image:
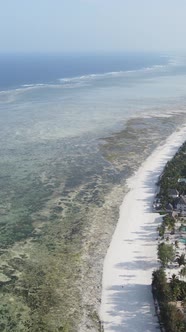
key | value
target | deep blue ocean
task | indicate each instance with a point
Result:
(70, 95)
(23, 69)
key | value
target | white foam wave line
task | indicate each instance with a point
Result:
(113, 74)
(127, 303)
(25, 88)
(85, 79)
(28, 87)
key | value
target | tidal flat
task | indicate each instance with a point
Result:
(59, 205)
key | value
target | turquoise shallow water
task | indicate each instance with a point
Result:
(183, 240)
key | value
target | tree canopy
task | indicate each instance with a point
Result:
(166, 253)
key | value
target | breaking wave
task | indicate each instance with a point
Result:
(86, 80)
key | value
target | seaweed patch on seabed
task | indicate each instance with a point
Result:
(59, 204)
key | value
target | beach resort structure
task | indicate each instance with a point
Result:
(181, 205)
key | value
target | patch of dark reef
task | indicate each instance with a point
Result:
(59, 205)
(128, 148)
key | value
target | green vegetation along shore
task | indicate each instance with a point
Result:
(169, 281)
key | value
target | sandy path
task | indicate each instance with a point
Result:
(127, 303)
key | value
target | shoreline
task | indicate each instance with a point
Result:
(127, 302)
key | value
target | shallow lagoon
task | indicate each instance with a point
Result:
(65, 155)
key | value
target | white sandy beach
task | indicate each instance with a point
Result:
(127, 302)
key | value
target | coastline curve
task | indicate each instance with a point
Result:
(127, 302)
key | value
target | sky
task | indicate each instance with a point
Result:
(92, 25)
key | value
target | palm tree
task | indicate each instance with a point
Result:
(181, 260)
(175, 287)
(183, 272)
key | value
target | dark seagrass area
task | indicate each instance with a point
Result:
(59, 205)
